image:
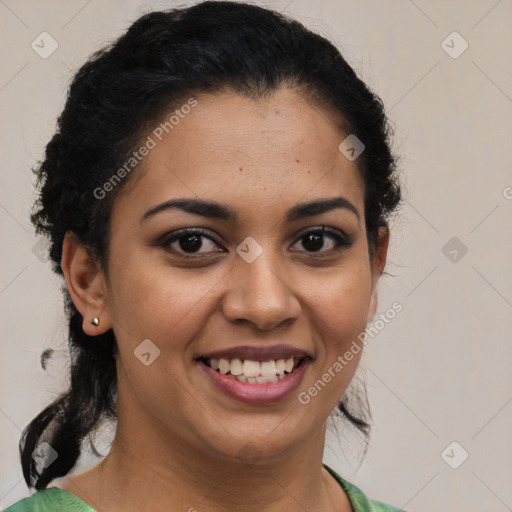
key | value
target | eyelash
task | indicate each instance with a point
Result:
(342, 241)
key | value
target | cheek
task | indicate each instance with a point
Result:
(161, 304)
(340, 317)
(340, 305)
(169, 309)
(344, 315)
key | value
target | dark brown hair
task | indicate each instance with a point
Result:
(114, 97)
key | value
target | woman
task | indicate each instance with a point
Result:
(216, 197)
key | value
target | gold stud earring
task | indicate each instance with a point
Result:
(95, 321)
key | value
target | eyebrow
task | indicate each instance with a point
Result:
(214, 210)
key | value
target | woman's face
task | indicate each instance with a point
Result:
(252, 279)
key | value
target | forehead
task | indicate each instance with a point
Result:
(228, 147)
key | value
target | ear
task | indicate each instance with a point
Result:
(378, 263)
(86, 284)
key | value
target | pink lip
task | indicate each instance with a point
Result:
(257, 353)
(257, 393)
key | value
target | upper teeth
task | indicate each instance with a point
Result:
(250, 368)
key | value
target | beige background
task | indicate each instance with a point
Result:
(440, 371)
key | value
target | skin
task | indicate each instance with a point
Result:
(180, 443)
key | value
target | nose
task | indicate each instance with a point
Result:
(261, 294)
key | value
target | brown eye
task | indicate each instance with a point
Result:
(314, 240)
(187, 241)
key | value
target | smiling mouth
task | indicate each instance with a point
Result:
(255, 372)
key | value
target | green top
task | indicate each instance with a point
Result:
(54, 499)
(359, 501)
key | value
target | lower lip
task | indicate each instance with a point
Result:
(257, 393)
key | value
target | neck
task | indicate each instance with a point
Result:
(150, 467)
(181, 478)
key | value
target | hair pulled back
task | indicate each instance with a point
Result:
(122, 91)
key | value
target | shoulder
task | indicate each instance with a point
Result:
(360, 502)
(52, 499)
